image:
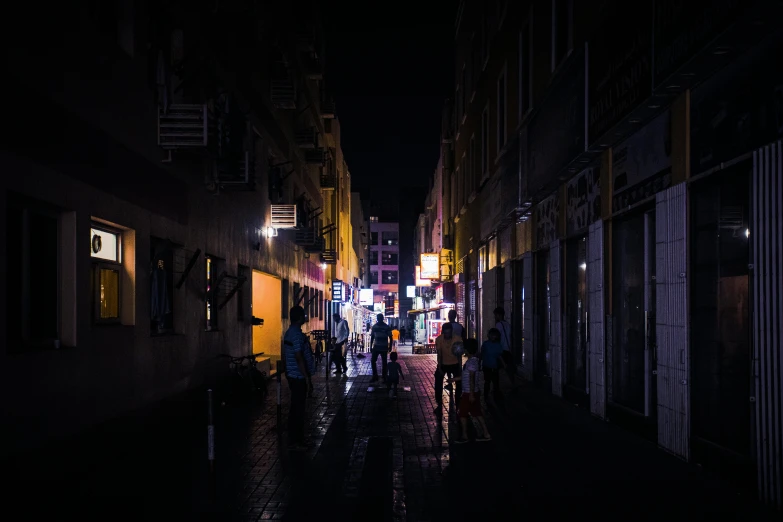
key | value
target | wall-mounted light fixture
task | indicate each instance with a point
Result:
(271, 232)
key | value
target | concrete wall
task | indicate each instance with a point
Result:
(86, 145)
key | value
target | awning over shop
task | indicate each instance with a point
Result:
(442, 306)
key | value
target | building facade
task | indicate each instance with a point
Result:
(613, 181)
(384, 251)
(207, 188)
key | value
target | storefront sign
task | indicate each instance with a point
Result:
(337, 290)
(683, 28)
(583, 200)
(642, 164)
(430, 266)
(556, 133)
(419, 280)
(738, 110)
(620, 65)
(547, 215)
(366, 297)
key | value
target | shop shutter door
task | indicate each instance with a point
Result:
(596, 349)
(672, 317)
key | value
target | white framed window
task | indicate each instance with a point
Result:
(106, 255)
(525, 69)
(562, 31)
(502, 99)
(485, 143)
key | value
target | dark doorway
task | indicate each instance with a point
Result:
(720, 307)
(543, 375)
(576, 321)
(633, 390)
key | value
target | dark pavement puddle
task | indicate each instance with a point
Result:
(317, 483)
(376, 495)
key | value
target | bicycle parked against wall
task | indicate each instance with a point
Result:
(247, 381)
(323, 344)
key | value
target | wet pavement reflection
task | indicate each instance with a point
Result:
(372, 457)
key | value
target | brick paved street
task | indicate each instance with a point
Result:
(373, 458)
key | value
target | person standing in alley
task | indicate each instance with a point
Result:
(298, 368)
(395, 338)
(505, 341)
(448, 363)
(381, 339)
(342, 332)
(457, 329)
(491, 362)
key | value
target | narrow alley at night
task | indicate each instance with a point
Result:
(459, 260)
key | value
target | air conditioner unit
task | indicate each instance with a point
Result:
(283, 216)
(182, 126)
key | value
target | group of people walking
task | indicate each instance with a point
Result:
(452, 346)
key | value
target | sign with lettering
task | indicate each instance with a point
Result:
(337, 290)
(419, 280)
(547, 215)
(620, 66)
(642, 164)
(366, 297)
(556, 133)
(583, 200)
(430, 266)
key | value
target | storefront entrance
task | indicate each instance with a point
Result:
(632, 362)
(576, 383)
(721, 428)
(267, 305)
(542, 360)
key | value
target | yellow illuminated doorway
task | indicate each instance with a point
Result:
(267, 303)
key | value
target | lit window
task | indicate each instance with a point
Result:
(211, 294)
(106, 253)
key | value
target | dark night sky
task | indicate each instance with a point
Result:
(390, 70)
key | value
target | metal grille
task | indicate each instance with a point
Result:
(461, 303)
(767, 316)
(672, 321)
(595, 284)
(555, 337)
(284, 216)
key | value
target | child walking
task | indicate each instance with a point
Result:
(395, 373)
(469, 403)
(492, 362)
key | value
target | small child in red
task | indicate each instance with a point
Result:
(469, 403)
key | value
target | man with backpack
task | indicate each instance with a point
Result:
(381, 341)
